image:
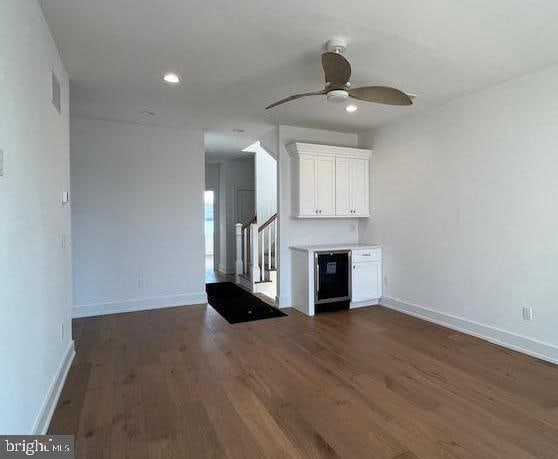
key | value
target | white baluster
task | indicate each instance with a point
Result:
(262, 248)
(254, 254)
(275, 227)
(245, 258)
(268, 229)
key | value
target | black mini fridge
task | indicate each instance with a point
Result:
(332, 283)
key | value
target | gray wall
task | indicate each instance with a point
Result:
(465, 201)
(35, 270)
(137, 216)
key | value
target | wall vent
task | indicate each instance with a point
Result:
(56, 93)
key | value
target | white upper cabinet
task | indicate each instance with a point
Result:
(330, 181)
(343, 187)
(359, 189)
(316, 186)
(308, 169)
(325, 186)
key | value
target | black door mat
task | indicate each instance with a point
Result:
(237, 305)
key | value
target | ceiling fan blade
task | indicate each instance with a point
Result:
(337, 69)
(381, 95)
(296, 96)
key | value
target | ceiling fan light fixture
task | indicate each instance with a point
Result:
(337, 95)
(351, 108)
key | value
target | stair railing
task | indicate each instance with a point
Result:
(256, 252)
(268, 245)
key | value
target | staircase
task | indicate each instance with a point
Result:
(256, 257)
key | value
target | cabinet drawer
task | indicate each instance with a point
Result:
(363, 255)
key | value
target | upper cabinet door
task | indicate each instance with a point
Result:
(343, 187)
(325, 186)
(307, 189)
(360, 199)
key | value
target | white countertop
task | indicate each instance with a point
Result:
(318, 248)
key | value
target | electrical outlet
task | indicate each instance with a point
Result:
(64, 242)
(527, 313)
(386, 281)
(352, 228)
(1, 163)
(141, 283)
(62, 331)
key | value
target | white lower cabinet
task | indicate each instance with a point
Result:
(366, 277)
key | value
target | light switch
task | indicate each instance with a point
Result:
(65, 197)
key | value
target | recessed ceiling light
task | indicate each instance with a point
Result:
(238, 130)
(351, 108)
(172, 78)
(148, 113)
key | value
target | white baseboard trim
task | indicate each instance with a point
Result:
(364, 304)
(142, 304)
(40, 426)
(529, 346)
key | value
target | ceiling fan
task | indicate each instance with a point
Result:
(337, 72)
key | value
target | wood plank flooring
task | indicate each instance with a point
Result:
(367, 383)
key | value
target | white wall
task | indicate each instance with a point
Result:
(235, 174)
(293, 231)
(212, 172)
(266, 184)
(35, 271)
(465, 202)
(270, 141)
(137, 216)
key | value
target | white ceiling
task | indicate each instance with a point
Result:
(235, 57)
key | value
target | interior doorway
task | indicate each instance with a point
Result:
(209, 229)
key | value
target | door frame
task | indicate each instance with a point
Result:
(216, 240)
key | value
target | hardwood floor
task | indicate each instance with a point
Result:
(211, 275)
(367, 383)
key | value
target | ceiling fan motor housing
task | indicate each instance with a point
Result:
(336, 45)
(337, 95)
